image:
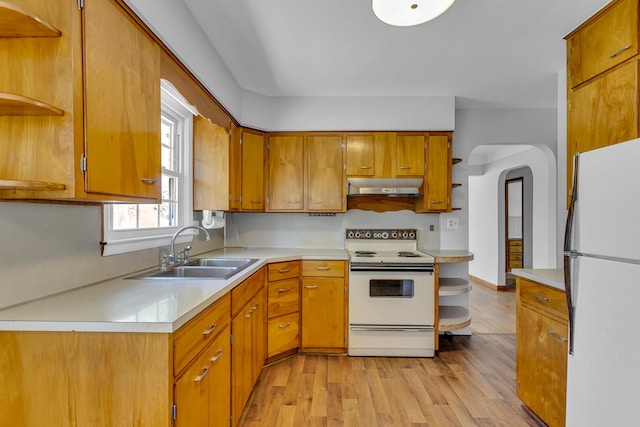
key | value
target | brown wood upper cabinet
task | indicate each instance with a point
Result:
(607, 39)
(93, 132)
(410, 160)
(306, 173)
(360, 156)
(437, 186)
(252, 182)
(602, 74)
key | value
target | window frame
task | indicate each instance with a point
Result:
(175, 106)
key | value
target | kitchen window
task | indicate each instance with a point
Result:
(132, 227)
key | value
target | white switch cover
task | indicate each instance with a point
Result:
(452, 223)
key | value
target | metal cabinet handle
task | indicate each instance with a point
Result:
(619, 51)
(256, 201)
(284, 325)
(284, 270)
(558, 337)
(436, 202)
(322, 268)
(217, 356)
(541, 297)
(316, 202)
(255, 307)
(404, 167)
(148, 180)
(366, 167)
(294, 201)
(284, 289)
(249, 314)
(311, 286)
(211, 329)
(202, 375)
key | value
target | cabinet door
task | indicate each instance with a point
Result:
(438, 185)
(602, 112)
(608, 40)
(210, 165)
(323, 319)
(258, 335)
(360, 155)
(286, 173)
(241, 361)
(410, 159)
(219, 358)
(252, 172)
(122, 104)
(191, 394)
(325, 174)
(235, 168)
(541, 365)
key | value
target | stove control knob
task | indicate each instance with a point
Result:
(405, 235)
(412, 235)
(394, 234)
(357, 234)
(367, 234)
(350, 235)
(385, 235)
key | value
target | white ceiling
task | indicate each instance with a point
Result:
(486, 53)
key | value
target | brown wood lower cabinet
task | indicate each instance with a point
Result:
(284, 309)
(541, 350)
(324, 291)
(248, 349)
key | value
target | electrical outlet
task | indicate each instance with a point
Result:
(452, 223)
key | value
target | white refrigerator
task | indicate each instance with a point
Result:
(602, 280)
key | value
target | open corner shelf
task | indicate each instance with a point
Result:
(453, 317)
(456, 184)
(455, 160)
(16, 105)
(453, 286)
(18, 22)
(30, 185)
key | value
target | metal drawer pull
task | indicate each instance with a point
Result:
(284, 270)
(256, 201)
(217, 356)
(404, 167)
(284, 289)
(311, 286)
(540, 297)
(202, 375)
(558, 337)
(366, 167)
(619, 51)
(436, 202)
(284, 325)
(316, 202)
(211, 329)
(255, 307)
(148, 180)
(322, 268)
(249, 314)
(294, 201)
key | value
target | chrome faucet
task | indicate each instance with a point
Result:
(172, 254)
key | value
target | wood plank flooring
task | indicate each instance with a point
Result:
(470, 383)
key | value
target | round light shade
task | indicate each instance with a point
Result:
(404, 13)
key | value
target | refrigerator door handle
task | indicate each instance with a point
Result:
(569, 254)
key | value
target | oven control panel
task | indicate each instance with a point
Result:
(381, 234)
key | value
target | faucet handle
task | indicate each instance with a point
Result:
(186, 254)
(164, 263)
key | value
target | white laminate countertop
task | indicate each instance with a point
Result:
(138, 305)
(553, 277)
(449, 255)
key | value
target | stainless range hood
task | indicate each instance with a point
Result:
(389, 187)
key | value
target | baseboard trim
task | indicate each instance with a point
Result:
(487, 284)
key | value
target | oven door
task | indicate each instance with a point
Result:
(402, 298)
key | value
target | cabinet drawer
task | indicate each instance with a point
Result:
(284, 270)
(283, 297)
(515, 264)
(515, 257)
(312, 268)
(284, 334)
(241, 295)
(190, 339)
(542, 298)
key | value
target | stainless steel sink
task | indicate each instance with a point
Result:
(203, 268)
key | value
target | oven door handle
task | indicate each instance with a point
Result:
(391, 329)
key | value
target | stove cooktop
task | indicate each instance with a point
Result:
(384, 246)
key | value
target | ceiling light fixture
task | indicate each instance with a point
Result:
(404, 13)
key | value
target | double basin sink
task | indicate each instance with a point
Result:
(202, 268)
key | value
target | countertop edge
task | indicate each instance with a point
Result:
(551, 277)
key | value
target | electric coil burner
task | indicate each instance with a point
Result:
(391, 294)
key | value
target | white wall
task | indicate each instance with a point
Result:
(486, 213)
(48, 249)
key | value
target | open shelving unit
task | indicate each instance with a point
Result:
(453, 317)
(18, 22)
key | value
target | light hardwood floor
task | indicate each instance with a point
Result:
(470, 383)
